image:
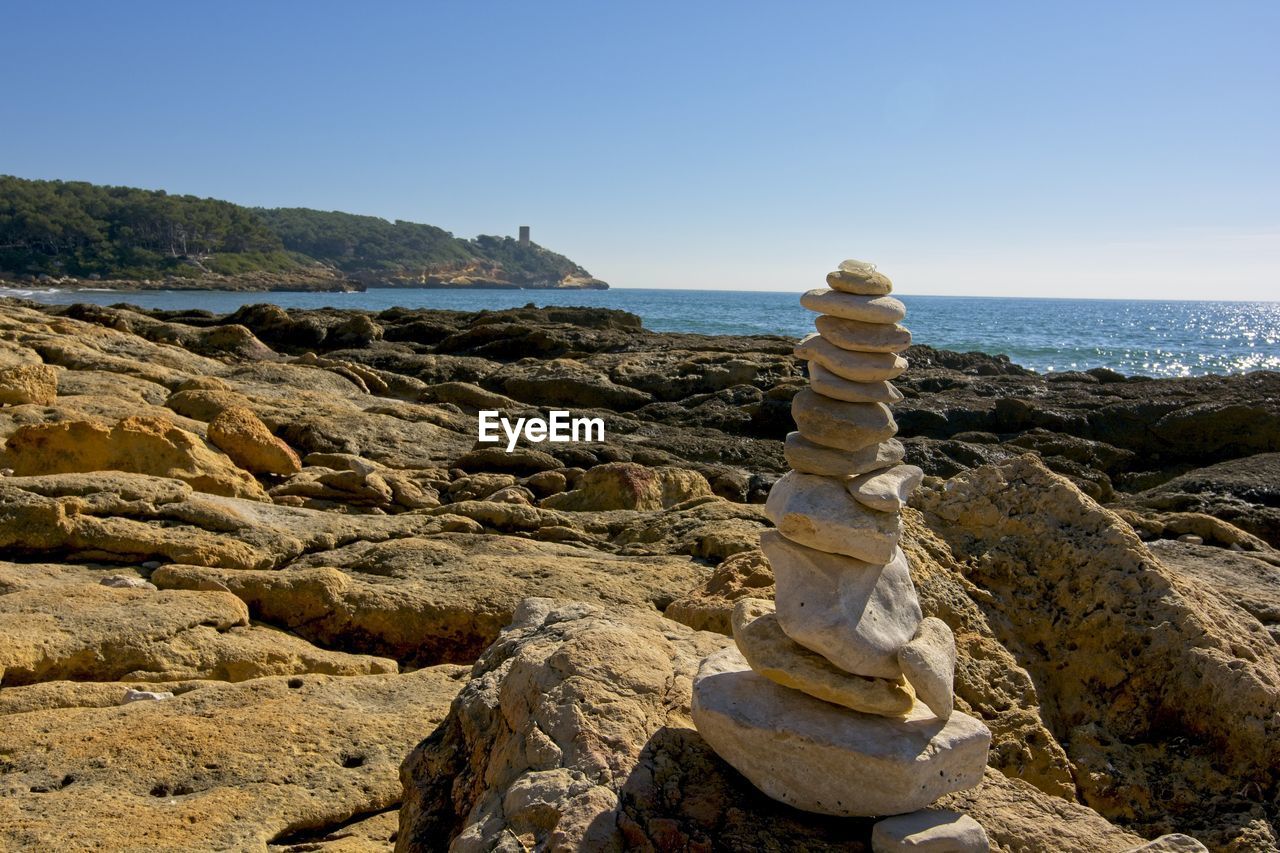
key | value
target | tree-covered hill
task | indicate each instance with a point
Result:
(83, 230)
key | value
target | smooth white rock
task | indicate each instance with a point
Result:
(828, 384)
(1173, 843)
(809, 457)
(929, 663)
(823, 758)
(859, 277)
(126, 582)
(863, 337)
(820, 513)
(887, 490)
(929, 831)
(854, 366)
(865, 309)
(131, 695)
(857, 615)
(847, 426)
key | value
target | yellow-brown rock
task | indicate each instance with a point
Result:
(625, 485)
(243, 436)
(140, 445)
(223, 767)
(1160, 684)
(28, 383)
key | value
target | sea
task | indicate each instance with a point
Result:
(1145, 337)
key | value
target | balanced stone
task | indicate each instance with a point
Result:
(867, 309)
(828, 384)
(863, 337)
(845, 426)
(782, 660)
(823, 758)
(847, 364)
(812, 458)
(888, 490)
(857, 615)
(818, 512)
(859, 277)
(929, 831)
(929, 663)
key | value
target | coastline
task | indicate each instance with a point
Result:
(285, 515)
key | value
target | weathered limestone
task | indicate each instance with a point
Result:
(819, 512)
(28, 383)
(242, 435)
(844, 426)
(848, 364)
(780, 659)
(824, 758)
(929, 831)
(856, 614)
(817, 705)
(866, 309)
(810, 457)
(887, 490)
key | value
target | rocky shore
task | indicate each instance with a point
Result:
(262, 589)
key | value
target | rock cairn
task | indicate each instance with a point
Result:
(838, 696)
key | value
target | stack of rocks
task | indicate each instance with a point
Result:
(838, 696)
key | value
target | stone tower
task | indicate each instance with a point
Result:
(524, 235)
(838, 696)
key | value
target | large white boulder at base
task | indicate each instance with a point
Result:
(823, 758)
(857, 615)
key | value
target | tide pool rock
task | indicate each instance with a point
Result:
(782, 660)
(929, 831)
(859, 277)
(823, 758)
(847, 364)
(242, 435)
(830, 385)
(887, 490)
(865, 309)
(929, 663)
(863, 337)
(28, 383)
(846, 426)
(857, 615)
(809, 457)
(818, 512)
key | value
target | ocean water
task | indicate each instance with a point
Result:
(1132, 336)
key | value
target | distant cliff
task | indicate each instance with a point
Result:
(82, 234)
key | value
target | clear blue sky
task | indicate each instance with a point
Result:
(1067, 149)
